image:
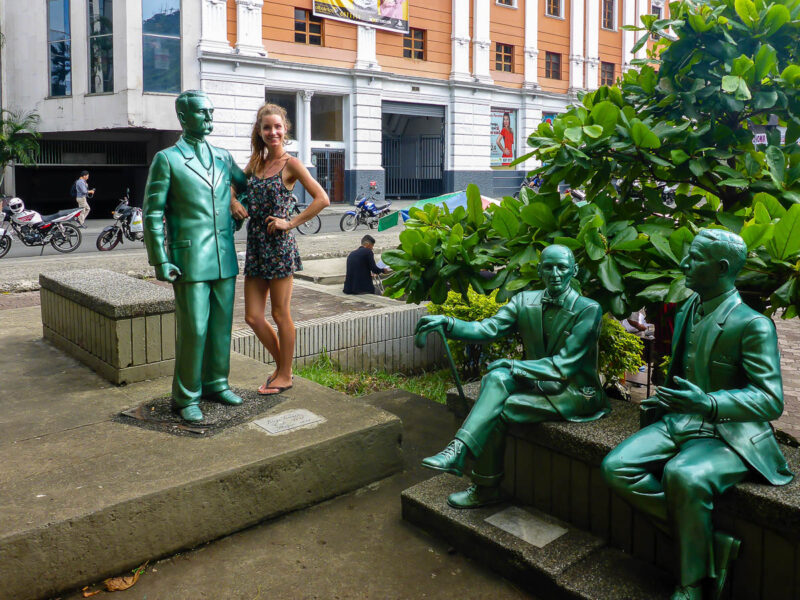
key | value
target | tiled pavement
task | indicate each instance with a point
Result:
(312, 301)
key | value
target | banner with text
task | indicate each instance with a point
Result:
(391, 15)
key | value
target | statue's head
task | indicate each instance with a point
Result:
(195, 112)
(714, 260)
(556, 268)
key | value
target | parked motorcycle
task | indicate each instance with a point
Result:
(367, 212)
(33, 229)
(128, 224)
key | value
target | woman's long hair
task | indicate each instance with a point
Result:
(257, 145)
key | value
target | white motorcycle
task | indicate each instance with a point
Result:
(33, 229)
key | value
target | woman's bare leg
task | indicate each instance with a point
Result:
(256, 291)
(280, 303)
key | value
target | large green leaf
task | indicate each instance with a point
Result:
(766, 61)
(655, 292)
(785, 240)
(595, 247)
(642, 136)
(569, 242)
(574, 134)
(474, 205)
(504, 222)
(678, 292)
(423, 251)
(538, 215)
(409, 237)
(756, 234)
(609, 275)
(605, 114)
(775, 208)
(777, 16)
(777, 164)
(747, 12)
(662, 245)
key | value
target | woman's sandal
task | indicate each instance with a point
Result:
(277, 390)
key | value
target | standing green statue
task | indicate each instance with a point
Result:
(189, 187)
(557, 380)
(709, 424)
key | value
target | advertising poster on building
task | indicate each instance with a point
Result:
(504, 136)
(391, 15)
(549, 118)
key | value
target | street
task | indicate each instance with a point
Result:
(330, 224)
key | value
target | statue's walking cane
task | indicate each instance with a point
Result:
(419, 341)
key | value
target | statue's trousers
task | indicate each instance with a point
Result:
(484, 429)
(203, 317)
(672, 470)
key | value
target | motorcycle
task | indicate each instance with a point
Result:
(128, 224)
(367, 211)
(33, 229)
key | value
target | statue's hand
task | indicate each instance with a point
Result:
(685, 398)
(503, 363)
(427, 324)
(167, 272)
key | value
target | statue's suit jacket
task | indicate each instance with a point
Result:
(737, 363)
(566, 353)
(199, 223)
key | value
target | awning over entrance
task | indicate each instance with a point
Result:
(413, 110)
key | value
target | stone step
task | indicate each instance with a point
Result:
(558, 561)
(83, 497)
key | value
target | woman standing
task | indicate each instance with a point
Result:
(505, 140)
(272, 254)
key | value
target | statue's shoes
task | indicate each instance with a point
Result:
(224, 397)
(476, 496)
(449, 460)
(191, 413)
(687, 592)
(726, 550)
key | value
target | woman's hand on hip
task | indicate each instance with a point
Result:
(275, 224)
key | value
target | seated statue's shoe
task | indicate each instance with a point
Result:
(191, 413)
(476, 496)
(224, 397)
(726, 550)
(687, 592)
(449, 460)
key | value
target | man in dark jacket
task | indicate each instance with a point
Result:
(360, 266)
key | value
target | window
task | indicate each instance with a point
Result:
(504, 58)
(101, 47)
(59, 49)
(552, 65)
(414, 44)
(657, 12)
(161, 46)
(609, 14)
(607, 73)
(506, 3)
(553, 8)
(327, 118)
(307, 28)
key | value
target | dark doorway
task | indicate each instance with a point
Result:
(413, 150)
(330, 172)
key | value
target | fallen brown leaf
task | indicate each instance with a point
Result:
(87, 592)
(118, 584)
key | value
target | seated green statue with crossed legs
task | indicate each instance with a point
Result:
(708, 426)
(556, 381)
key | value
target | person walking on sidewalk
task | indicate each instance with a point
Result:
(81, 192)
(272, 255)
(360, 267)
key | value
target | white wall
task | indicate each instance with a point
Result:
(26, 69)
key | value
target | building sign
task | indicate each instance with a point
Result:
(391, 15)
(549, 118)
(503, 134)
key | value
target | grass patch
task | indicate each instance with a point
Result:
(432, 385)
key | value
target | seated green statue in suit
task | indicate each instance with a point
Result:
(189, 186)
(709, 424)
(557, 380)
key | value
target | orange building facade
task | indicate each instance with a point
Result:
(444, 96)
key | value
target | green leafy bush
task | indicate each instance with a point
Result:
(620, 351)
(472, 359)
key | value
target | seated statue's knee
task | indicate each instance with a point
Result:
(498, 376)
(682, 480)
(610, 468)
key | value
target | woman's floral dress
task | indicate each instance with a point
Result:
(269, 255)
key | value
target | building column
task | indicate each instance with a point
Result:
(305, 128)
(366, 57)
(531, 50)
(459, 67)
(593, 45)
(481, 41)
(248, 28)
(576, 50)
(643, 9)
(214, 26)
(628, 37)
